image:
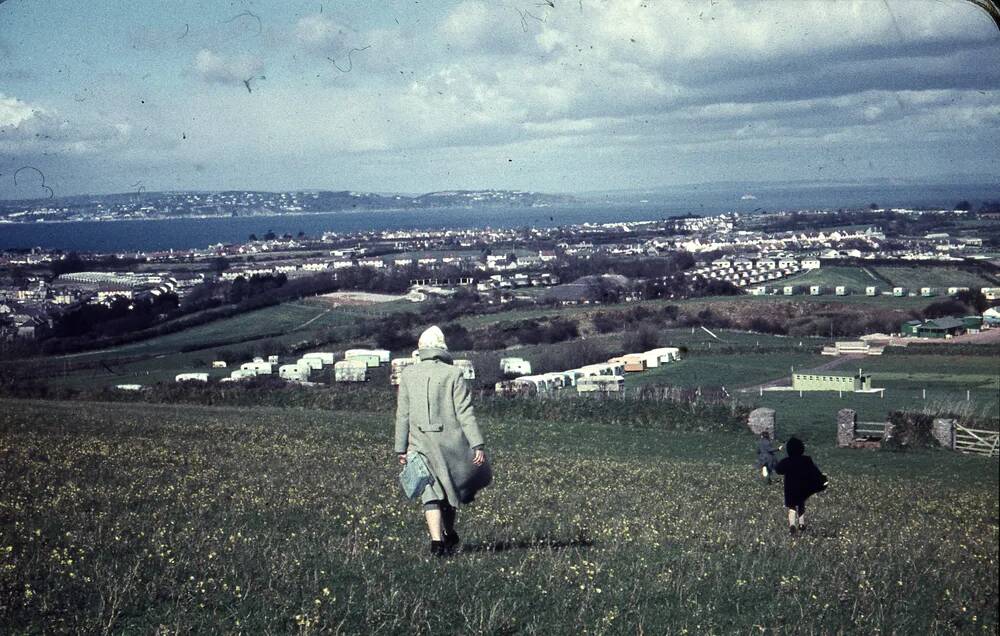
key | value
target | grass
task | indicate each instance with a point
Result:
(160, 359)
(913, 278)
(730, 370)
(695, 304)
(134, 519)
(855, 279)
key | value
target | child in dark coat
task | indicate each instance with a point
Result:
(803, 479)
(765, 455)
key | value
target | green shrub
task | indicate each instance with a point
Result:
(909, 430)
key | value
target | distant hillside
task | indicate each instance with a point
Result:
(139, 205)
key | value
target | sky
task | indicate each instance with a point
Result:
(551, 96)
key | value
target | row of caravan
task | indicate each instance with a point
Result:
(606, 377)
(354, 367)
(398, 364)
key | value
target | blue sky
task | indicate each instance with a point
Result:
(566, 96)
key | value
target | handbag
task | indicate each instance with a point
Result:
(415, 475)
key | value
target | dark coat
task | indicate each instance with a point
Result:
(765, 454)
(803, 479)
(434, 417)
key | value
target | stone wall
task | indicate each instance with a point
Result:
(846, 421)
(761, 420)
(943, 431)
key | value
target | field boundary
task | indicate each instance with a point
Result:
(976, 441)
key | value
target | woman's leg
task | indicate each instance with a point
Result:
(432, 513)
(802, 515)
(448, 516)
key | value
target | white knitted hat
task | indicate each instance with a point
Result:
(432, 338)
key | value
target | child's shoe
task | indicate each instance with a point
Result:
(791, 530)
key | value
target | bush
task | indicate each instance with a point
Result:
(457, 337)
(606, 321)
(642, 339)
(569, 355)
(944, 308)
(638, 412)
(909, 430)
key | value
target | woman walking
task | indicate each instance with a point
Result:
(435, 423)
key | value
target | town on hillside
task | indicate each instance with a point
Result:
(51, 293)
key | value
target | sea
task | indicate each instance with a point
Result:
(199, 233)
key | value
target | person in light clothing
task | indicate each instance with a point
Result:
(434, 417)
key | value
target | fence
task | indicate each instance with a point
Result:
(870, 430)
(950, 434)
(979, 442)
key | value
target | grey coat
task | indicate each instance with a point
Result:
(765, 454)
(434, 417)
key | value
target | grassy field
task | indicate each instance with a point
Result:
(932, 383)
(756, 302)
(160, 359)
(731, 371)
(854, 278)
(123, 518)
(914, 278)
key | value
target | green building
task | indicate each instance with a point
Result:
(813, 382)
(941, 328)
(909, 327)
(973, 322)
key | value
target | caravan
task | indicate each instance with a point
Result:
(600, 383)
(353, 370)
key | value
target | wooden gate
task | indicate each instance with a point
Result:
(970, 440)
(870, 430)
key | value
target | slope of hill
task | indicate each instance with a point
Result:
(138, 518)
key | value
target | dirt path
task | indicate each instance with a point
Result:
(311, 320)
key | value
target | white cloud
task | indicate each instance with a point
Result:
(26, 129)
(322, 32)
(14, 112)
(478, 27)
(216, 68)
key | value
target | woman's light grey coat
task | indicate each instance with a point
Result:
(434, 416)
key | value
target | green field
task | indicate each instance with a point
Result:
(125, 518)
(192, 350)
(967, 386)
(913, 278)
(759, 302)
(855, 279)
(731, 371)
